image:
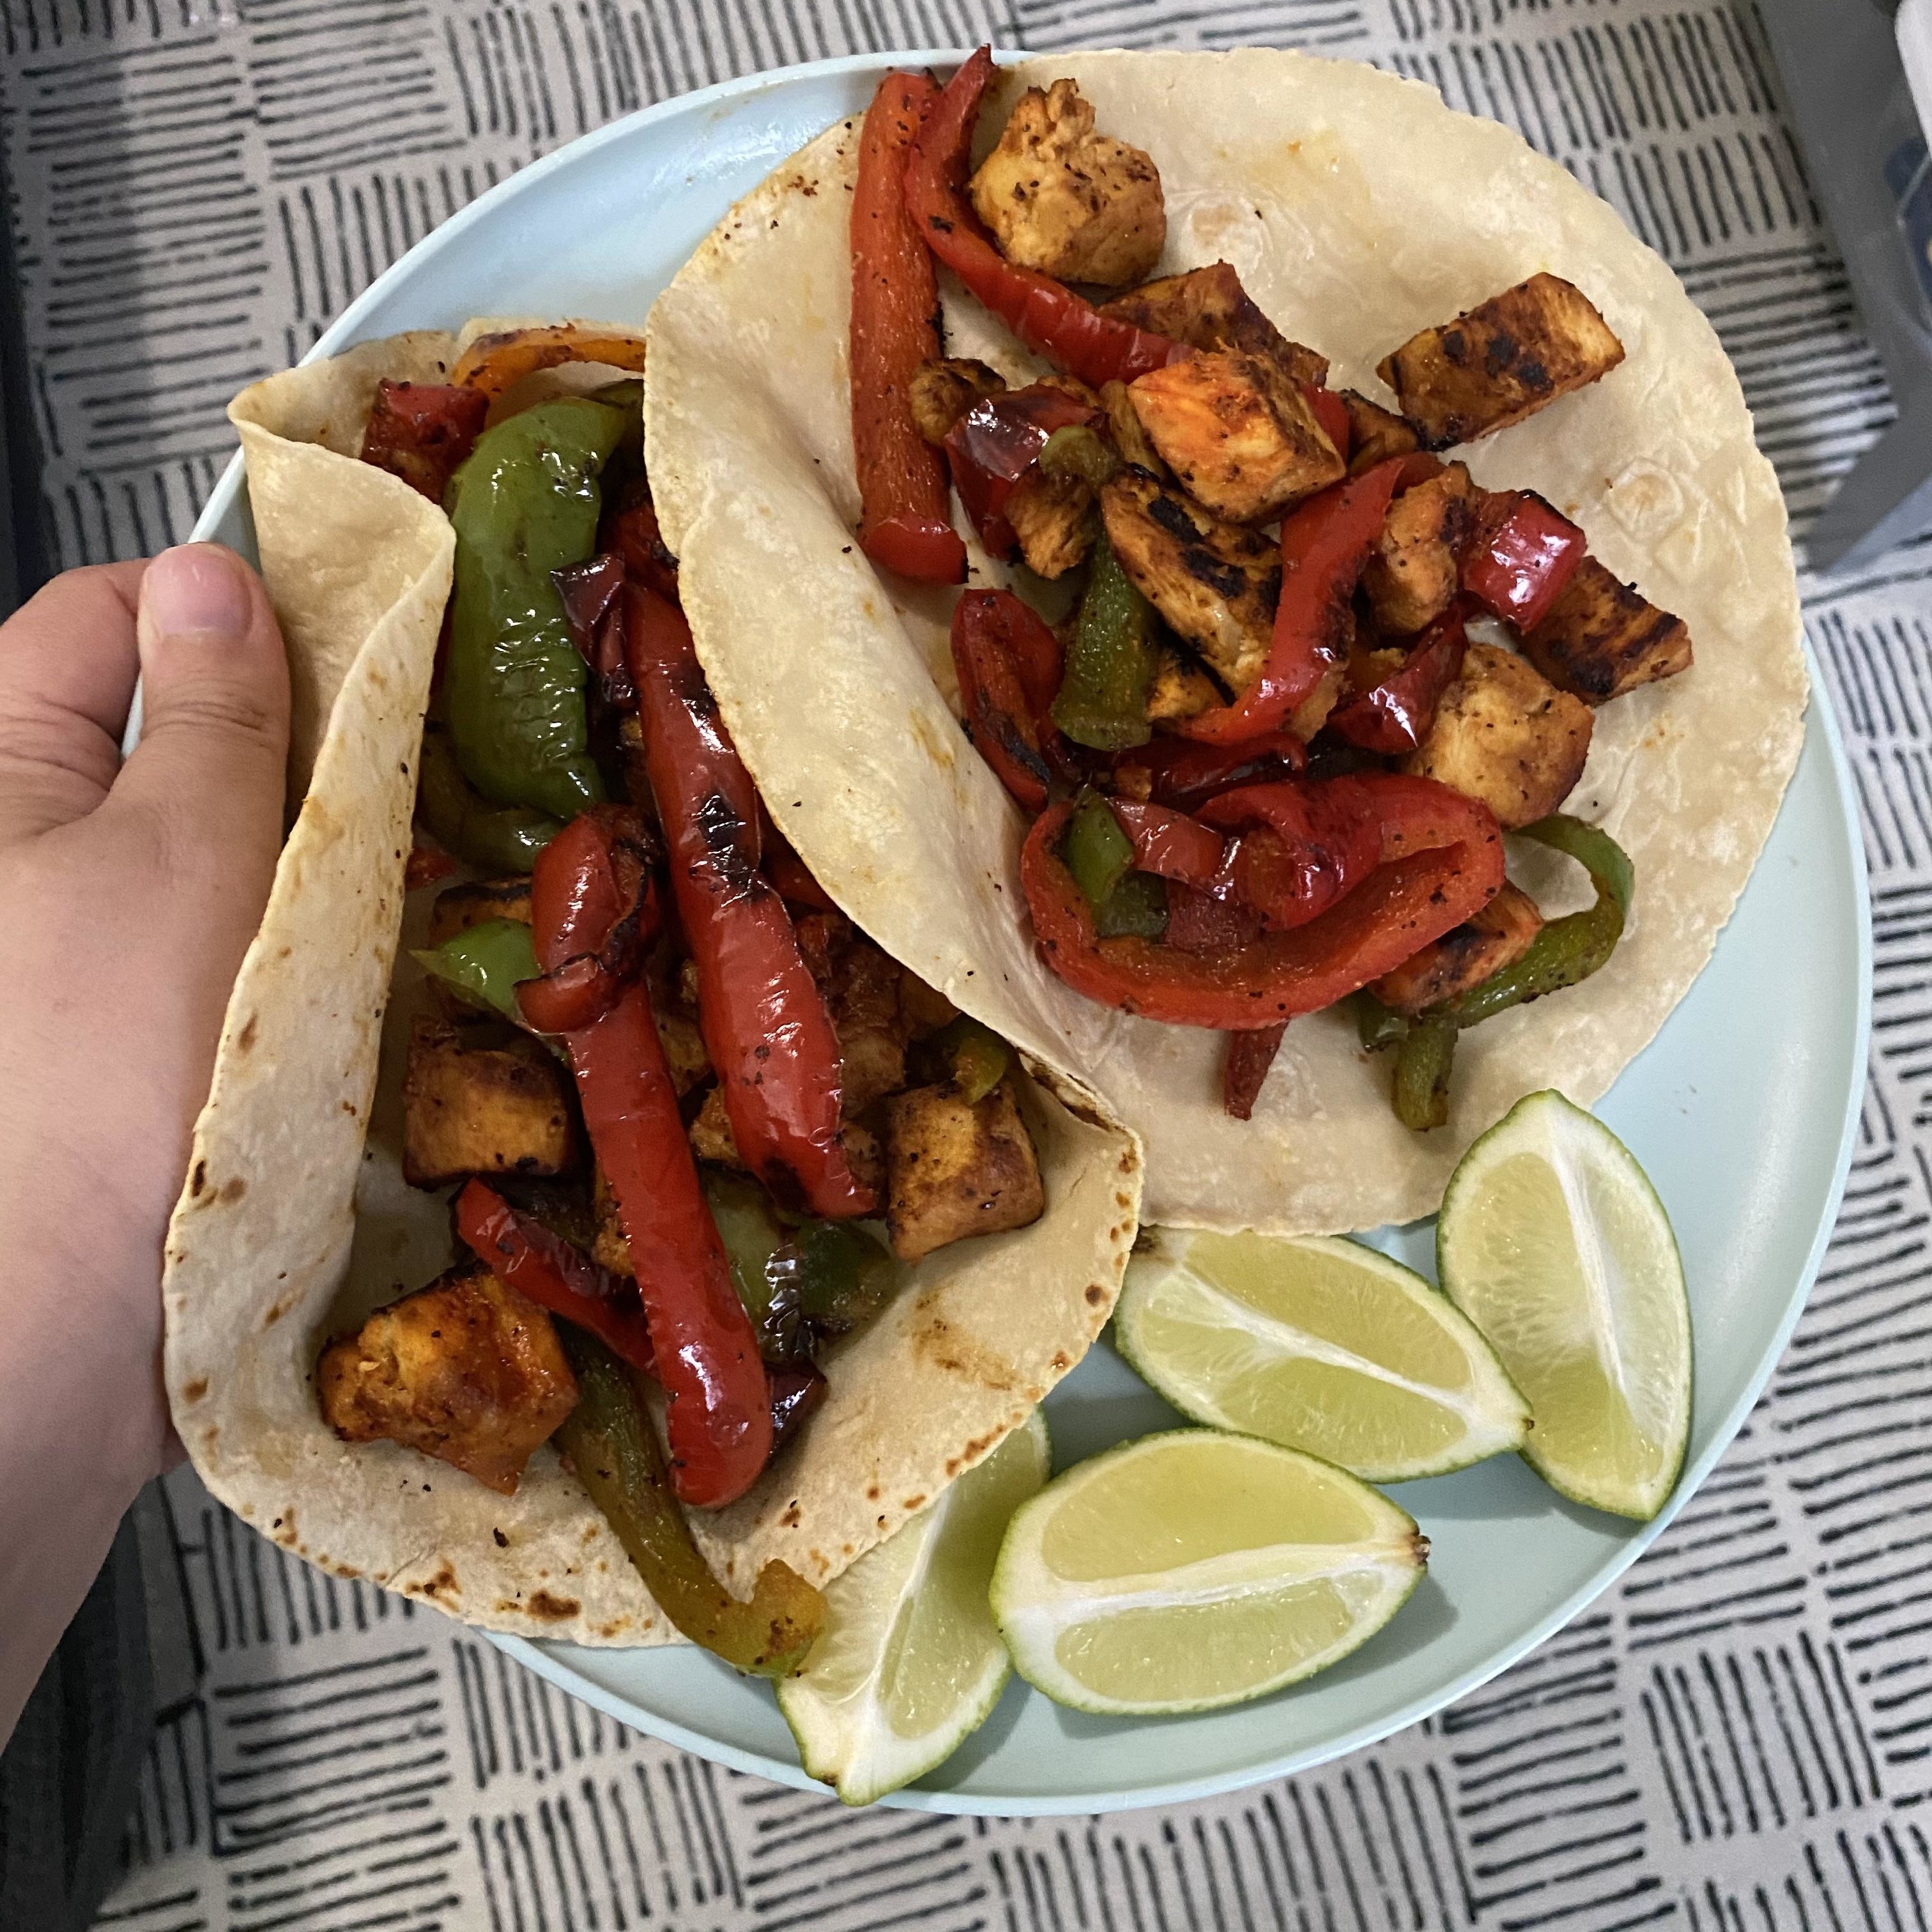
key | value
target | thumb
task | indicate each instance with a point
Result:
(209, 770)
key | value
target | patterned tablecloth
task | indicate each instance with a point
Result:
(1740, 1736)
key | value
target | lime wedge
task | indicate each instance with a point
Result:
(909, 1661)
(1319, 1345)
(1554, 1244)
(1194, 1569)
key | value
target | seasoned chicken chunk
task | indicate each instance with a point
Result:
(711, 1136)
(1238, 432)
(473, 1107)
(1216, 583)
(1601, 638)
(466, 1370)
(611, 1247)
(1464, 957)
(861, 986)
(457, 908)
(684, 1049)
(1411, 573)
(1053, 518)
(1067, 201)
(941, 392)
(1124, 425)
(1501, 362)
(1181, 688)
(1505, 736)
(1375, 434)
(1208, 308)
(956, 1167)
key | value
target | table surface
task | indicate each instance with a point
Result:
(1739, 1736)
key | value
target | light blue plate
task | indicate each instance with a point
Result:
(1743, 1111)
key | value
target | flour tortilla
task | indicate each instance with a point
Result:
(295, 1222)
(1357, 209)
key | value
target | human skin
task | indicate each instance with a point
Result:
(130, 891)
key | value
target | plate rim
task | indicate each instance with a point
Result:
(226, 495)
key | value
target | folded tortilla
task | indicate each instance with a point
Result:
(1357, 209)
(295, 1222)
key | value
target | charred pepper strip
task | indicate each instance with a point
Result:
(1007, 662)
(1050, 319)
(525, 504)
(497, 838)
(594, 909)
(904, 525)
(1423, 1066)
(1111, 661)
(764, 1020)
(1249, 1057)
(612, 1446)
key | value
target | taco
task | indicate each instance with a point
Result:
(578, 1115)
(1374, 628)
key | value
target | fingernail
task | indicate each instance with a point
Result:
(197, 590)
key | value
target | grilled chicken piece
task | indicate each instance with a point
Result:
(1505, 737)
(861, 987)
(1501, 362)
(1053, 517)
(1216, 583)
(711, 1136)
(611, 1248)
(684, 1051)
(1129, 439)
(956, 1168)
(1182, 689)
(1238, 432)
(941, 392)
(1601, 638)
(457, 908)
(466, 1370)
(1411, 576)
(1208, 308)
(499, 1103)
(1067, 201)
(1375, 434)
(923, 1009)
(1463, 958)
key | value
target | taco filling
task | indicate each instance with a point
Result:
(1306, 672)
(693, 1126)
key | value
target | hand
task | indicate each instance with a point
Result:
(130, 893)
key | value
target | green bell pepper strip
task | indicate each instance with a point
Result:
(614, 1448)
(486, 962)
(1078, 453)
(752, 1234)
(1137, 910)
(975, 1058)
(526, 503)
(1422, 1070)
(842, 1276)
(496, 838)
(1111, 661)
(1097, 851)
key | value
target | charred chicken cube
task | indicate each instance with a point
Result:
(489, 1102)
(1208, 308)
(1375, 434)
(861, 987)
(1069, 202)
(711, 1136)
(1181, 688)
(1505, 737)
(1124, 426)
(1411, 576)
(1053, 518)
(1501, 362)
(956, 1167)
(684, 1050)
(1216, 583)
(610, 1246)
(457, 908)
(1238, 432)
(1601, 638)
(923, 1009)
(942, 392)
(1463, 958)
(466, 1370)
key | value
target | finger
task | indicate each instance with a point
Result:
(207, 776)
(67, 662)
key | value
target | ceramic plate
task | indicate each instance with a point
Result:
(1742, 1111)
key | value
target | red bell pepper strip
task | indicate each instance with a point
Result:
(1442, 861)
(593, 910)
(704, 1350)
(764, 1020)
(787, 871)
(422, 431)
(1199, 922)
(1523, 559)
(1007, 661)
(1173, 846)
(555, 1273)
(630, 533)
(1332, 413)
(1325, 544)
(1050, 319)
(1304, 845)
(1182, 774)
(427, 863)
(1394, 716)
(998, 441)
(903, 525)
(589, 594)
(1419, 466)
(1249, 1057)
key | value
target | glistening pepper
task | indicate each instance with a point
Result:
(593, 909)
(497, 838)
(1525, 554)
(1050, 320)
(422, 432)
(764, 1020)
(998, 441)
(526, 504)
(1007, 662)
(903, 524)
(1394, 715)
(1111, 661)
